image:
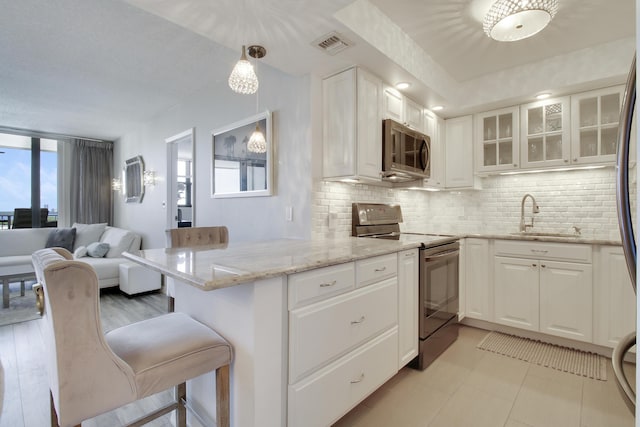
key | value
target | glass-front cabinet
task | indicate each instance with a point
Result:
(594, 125)
(545, 133)
(497, 140)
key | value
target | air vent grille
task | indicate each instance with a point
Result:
(332, 43)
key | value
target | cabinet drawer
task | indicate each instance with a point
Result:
(372, 270)
(331, 392)
(322, 332)
(314, 285)
(574, 252)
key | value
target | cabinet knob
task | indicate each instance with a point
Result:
(543, 266)
(575, 159)
(515, 165)
(566, 160)
(534, 265)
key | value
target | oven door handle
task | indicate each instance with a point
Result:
(448, 254)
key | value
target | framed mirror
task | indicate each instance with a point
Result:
(240, 168)
(133, 177)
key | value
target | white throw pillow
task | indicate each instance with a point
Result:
(119, 240)
(87, 234)
(80, 252)
(97, 249)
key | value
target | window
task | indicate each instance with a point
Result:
(18, 155)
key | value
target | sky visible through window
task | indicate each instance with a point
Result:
(15, 179)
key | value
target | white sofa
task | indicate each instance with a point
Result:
(16, 247)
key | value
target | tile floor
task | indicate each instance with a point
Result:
(467, 387)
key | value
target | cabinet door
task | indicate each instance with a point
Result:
(369, 153)
(497, 140)
(413, 115)
(407, 306)
(459, 152)
(516, 296)
(339, 124)
(545, 133)
(478, 292)
(566, 307)
(594, 125)
(434, 128)
(615, 302)
(392, 105)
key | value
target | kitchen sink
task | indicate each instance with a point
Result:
(537, 234)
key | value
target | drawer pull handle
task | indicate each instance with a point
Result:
(358, 380)
(355, 322)
(539, 251)
(543, 265)
(326, 285)
(534, 265)
(379, 270)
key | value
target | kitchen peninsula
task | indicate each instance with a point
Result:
(259, 296)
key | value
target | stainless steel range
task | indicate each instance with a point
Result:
(438, 279)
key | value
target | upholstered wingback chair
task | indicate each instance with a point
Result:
(91, 373)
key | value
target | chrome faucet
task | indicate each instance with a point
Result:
(534, 210)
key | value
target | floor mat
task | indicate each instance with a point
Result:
(552, 356)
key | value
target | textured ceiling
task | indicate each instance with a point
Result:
(96, 68)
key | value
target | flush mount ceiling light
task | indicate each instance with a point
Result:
(543, 95)
(402, 85)
(243, 78)
(511, 20)
(437, 107)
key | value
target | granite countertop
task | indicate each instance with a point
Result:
(558, 238)
(220, 266)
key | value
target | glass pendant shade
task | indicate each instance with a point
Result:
(243, 78)
(257, 143)
(511, 20)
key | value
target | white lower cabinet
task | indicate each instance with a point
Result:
(542, 294)
(344, 343)
(566, 302)
(477, 279)
(407, 306)
(614, 300)
(517, 301)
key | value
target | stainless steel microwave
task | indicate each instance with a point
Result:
(406, 153)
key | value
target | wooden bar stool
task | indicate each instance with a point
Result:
(91, 373)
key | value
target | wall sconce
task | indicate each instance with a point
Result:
(149, 178)
(116, 184)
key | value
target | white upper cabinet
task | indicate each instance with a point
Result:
(545, 133)
(594, 125)
(352, 126)
(403, 110)
(459, 153)
(497, 140)
(434, 129)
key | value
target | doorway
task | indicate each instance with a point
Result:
(180, 180)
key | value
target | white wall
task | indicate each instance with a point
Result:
(254, 218)
(584, 198)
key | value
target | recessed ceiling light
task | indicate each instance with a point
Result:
(402, 85)
(437, 107)
(543, 96)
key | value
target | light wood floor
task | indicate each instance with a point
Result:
(25, 401)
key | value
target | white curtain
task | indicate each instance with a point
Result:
(91, 198)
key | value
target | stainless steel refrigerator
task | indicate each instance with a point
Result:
(626, 226)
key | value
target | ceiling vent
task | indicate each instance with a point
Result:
(332, 43)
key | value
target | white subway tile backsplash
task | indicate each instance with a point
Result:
(583, 198)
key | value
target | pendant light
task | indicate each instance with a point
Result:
(243, 78)
(511, 20)
(257, 142)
